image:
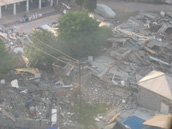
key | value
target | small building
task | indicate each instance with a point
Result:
(5, 3)
(155, 92)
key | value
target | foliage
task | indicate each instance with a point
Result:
(37, 57)
(80, 23)
(90, 4)
(7, 60)
(81, 36)
(88, 112)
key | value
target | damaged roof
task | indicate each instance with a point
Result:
(158, 82)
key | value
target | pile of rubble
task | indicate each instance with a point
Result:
(141, 45)
(14, 40)
(28, 94)
(147, 39)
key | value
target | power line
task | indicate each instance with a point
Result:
(55, 49)
(52, 56)
(51, 46)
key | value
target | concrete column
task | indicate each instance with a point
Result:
(27, 5)
(5, 6)
(0, 12)
(40, 4)
(14, 9)
(57, 1)
(51, 3)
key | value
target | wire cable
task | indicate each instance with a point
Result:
(52, 56)
(55, 49)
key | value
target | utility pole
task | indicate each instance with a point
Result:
(80, 99)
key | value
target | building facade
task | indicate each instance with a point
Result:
(155, 92)
(6, 3)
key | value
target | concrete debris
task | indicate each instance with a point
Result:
(54, 116)
(36, 100)
(3, 81)
(138, 46)
(68, 7)
(15, 84)
(8, 115)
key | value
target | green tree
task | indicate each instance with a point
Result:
(80, 35)
(91, 5)
(80, 3)
(37, 57)
(6, 59)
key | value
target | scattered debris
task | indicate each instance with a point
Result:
(138, 46)
(15, 84)
(28, 70)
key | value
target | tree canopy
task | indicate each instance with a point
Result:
(81, 36)
(91, 5)
(7, 60)
(80, 3)
(78, 36)
(80, 24)
(37, 57)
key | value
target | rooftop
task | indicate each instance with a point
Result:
(158, 82)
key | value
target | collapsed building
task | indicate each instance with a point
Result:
(138, 46)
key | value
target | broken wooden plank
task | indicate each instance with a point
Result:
(68, 73)
(106, 70)
(110, 126)
(8, 115)
(113, 118)
(28, 70)
(150, 50)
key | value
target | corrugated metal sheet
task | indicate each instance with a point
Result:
(134, 122)
(6, 2)
(159, 83)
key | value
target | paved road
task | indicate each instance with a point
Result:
(134, 6)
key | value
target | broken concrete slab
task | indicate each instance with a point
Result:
(15, 84)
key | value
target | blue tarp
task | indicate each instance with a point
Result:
(134, 122)
(54, 127)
